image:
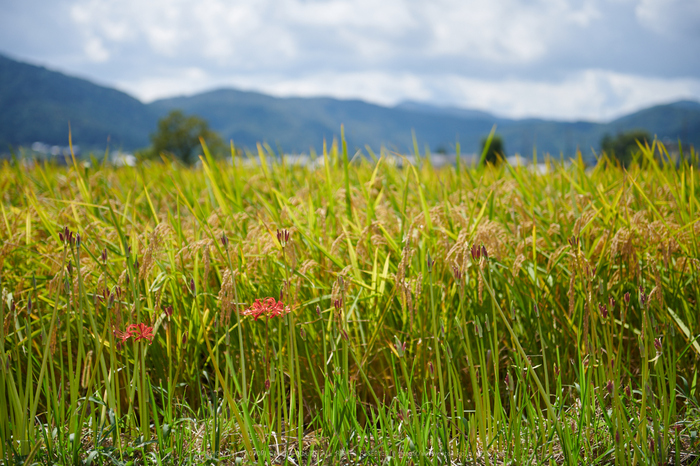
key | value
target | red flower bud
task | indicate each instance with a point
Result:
(475, 252)
(603, 311)
(457, 273)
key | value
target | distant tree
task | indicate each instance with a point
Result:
(496, 152)
(178, 134)
(624, 146)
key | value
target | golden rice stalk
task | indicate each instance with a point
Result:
(87, 369)
(418, 289)
(154, 246)
(572, 287)
(226, 296)
(307, 265)
(553, 229)
(480, 279)
(207, 263)
(335, 247)
(555, 256)
(517, 264)
(52, 344)
(405, 262)
(493, 236)
(657, 291)
(459, 247)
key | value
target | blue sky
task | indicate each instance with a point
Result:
(583, 59)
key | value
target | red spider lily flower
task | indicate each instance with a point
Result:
(141, 332)
(279, 309)
(266, 307)
(123, 336)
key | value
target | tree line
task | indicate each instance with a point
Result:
(178, 136)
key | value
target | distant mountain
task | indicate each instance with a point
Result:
(37, 104)
(671, 121)
(296, 124)
(422, 107)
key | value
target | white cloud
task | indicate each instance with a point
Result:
(505, 30)
(183, 81)
(548, 58)
(674, 18)
(592, 94)
(253, 31)
(95, 50)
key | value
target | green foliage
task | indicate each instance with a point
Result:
(496, 150)
(179, 135)
(623, 147)
(430, 316)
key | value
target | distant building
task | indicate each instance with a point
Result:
(122, 159)
(53, 153)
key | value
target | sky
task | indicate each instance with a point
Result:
(567, 60)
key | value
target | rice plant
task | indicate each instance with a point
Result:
(354, 311)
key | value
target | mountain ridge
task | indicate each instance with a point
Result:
(38, 104)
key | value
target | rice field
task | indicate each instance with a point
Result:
(352, 312)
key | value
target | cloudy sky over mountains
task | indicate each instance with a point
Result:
(582, 59)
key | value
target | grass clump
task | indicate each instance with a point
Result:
(350, 313)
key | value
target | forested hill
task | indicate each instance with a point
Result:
(37, 104)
